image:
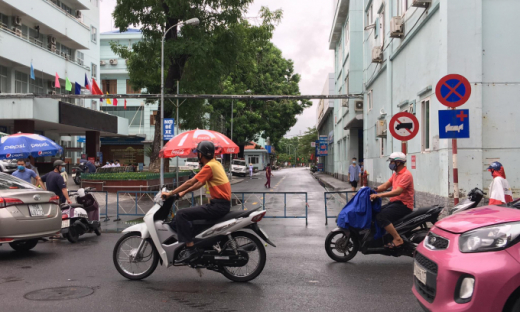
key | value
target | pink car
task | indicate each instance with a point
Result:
(470, 261)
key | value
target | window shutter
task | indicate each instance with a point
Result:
(376, 31)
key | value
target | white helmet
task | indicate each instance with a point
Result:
(397, 156)
(81, 192)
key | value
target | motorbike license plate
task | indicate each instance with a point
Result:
(419, 273)
(36, 210)
(73, 175)
(65, 223)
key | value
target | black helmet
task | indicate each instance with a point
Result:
(207, 149)
(58, 163)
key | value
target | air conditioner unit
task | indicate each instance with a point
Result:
(78, 14)
(344, 103)
(377, 55)
(359, 106)
(51, 40)
(18, 32)
(381, 129)
(17, 20)
(102, 63)
(397, 27)
(113, 62)
(421, 3)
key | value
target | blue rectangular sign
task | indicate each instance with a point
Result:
(454, 124)
(168, 129)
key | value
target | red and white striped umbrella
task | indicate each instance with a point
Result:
(184, 144)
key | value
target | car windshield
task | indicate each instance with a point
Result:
(8, 182)
(195, 160)
(239, 162)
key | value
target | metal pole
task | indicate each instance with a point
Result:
(231, 155)
(161, 170)
(403, 147)
(455, 173)
(177, 133)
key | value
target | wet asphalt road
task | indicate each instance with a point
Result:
(299, 276)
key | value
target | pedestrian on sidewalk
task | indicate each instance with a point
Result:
(353, 174)
(250, 170)
(268, 175)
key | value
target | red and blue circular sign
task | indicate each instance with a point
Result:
(453, 90)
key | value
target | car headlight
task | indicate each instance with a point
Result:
(490, 238)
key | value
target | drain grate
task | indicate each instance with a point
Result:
(59, 293)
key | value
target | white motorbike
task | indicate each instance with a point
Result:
(238, 255)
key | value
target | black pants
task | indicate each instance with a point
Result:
(216, 209)
(392, 212)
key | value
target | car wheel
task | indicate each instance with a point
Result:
(24, 245)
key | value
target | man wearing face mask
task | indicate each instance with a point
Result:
(353, 174)
(401, 197)
(214, 177)
(26, 174)
(499, 190)
(56, 183)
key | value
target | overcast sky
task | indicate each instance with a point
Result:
(302, 36)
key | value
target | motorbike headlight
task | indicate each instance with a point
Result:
(490, 238)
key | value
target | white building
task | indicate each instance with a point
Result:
(57, 37)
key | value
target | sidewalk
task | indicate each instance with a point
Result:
(332, 183)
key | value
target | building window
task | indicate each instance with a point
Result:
(93, 34)
(254, 160)
(370, 100)
(152, 118)
(425, 112)
(134, 114)
(93, 70)
(347, 32)
(20, 80)
(109, 86)
(381, 147)
(129, 89)
(370, 15)
(382, 21)
(36, 86)
(346, 84)
(80, 57)
(3, 80)
(93, 105)
(402, 7)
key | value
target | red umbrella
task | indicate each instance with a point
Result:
(183, 144)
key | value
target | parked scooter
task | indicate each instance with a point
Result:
(472, 201)
(77, 171)
(75, 219)
(343, 244)
(238, 255)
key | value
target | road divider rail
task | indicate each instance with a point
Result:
(335, 196)
(139, 199)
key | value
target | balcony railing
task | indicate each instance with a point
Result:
(54, 5)
(18, 33)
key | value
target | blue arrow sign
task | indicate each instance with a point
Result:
(454, 124)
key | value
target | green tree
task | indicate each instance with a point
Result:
(304, 143)
(198, 57)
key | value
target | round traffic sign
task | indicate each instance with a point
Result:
(404, 126)
(453, 90)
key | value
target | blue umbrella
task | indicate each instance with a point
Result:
(23, 145)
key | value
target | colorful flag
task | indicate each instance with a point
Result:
(68, 85)
(95, 88)
(77, 88)
(57, 82)
(108, 100)
(87, 86)
(32, 72)
(115, 102)
(125, 103)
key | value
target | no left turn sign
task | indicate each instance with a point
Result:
(404, 126)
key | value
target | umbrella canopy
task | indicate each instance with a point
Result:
(23, 145)
(184, 144)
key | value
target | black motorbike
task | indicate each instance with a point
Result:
(471, 201)
(77, 171)
(343, 244)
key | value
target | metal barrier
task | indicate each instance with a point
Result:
(141, 199)
(242, 198)
(338, 199)
(99, 202)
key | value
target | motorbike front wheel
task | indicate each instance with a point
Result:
(77, 180)
(256, 253)
(131, 265)
(340, 247)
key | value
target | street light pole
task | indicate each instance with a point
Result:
(193, 21)
(231, 155)
(177, 133)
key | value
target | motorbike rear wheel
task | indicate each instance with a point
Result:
(77, 180)
(72, 235)
(256, 262)
(343, 248)
(130, 265)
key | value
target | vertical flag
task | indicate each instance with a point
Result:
(32, 72)
(87, 86)
(95, 88)
(125, 103)
(115, 102)
(57, 82)
(77, 89)
(68, 85)
(108, 100)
